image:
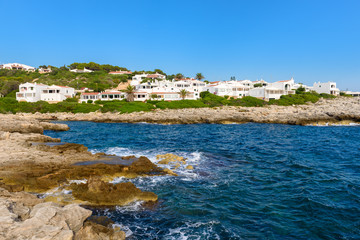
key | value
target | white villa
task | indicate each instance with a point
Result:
(33, 92)
(17, 66)
(273, 90)
(329, 88)
(120, 72)
(85, 96)
(137, 79)
(81, 70)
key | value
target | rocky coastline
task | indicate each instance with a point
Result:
(341, 110)
(44, 183)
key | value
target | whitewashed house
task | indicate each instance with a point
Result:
(33, 92)
(138, 78)
(54, 93)
(85, 96)
(113, 95)
(17, 66)
(120, 72)
(273, 90)
(30, 92)
(81, 70)
(328, 87)
(233, 88)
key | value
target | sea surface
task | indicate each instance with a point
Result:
(251, 181)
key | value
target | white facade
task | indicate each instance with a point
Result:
(33, 92)
(138, 78)
(235, 89)
(273, 90)
(109, 96)
(84, 97)
(30, 92)
(168, 89)
(81, 70)
(17, 66)
(328, 87)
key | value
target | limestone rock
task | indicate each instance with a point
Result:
(98, 192)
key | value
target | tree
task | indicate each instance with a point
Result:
(183, 93)
(300, 90)
(130, 93)
(199, 76)
(256, 85)
(153, 96)
(179, 76)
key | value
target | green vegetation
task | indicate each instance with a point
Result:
(9, 104)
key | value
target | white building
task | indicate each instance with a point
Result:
(81, 70)
(33, 92)
(328, 87)
(120, 72)
(30, 92)
(138, 78)
(233, 88)
(86, 96)
(354, 94)
(273, 90)
(17, 66)
(167, 89)
(108, 96)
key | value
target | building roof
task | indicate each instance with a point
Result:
(111, 92)
(120, 72)
(91, 93)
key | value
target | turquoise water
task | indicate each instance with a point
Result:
(251, 181)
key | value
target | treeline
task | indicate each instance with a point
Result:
(97, 67)
(10, 105)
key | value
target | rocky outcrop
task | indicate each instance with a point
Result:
(23, 216)
(98, 192)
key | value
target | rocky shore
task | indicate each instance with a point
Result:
(63, 175)
(339, 110)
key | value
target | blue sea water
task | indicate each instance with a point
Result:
(251, 181)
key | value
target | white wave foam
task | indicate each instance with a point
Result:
(78, 181)
(187, 231)
(124, 228)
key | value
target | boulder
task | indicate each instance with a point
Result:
(98, 192)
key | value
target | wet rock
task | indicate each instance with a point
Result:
(189, 167)
(91, 231)
(170, 172)
(98, 192)
(169, 157)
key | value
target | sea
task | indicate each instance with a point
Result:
(250, 181)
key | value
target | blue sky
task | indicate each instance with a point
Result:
(274, 40)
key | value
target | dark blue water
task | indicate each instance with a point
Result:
(251, 181)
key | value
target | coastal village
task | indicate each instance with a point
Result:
(156, 86)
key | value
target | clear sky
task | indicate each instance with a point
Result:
(310, 40)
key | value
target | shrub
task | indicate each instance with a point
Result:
(72, 100)
(89, 101)
(180, 104)
(248, 102)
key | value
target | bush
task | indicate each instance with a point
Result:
(213, 100)
(72, 100)
(180, 104)
(248, 102)
(89, 101)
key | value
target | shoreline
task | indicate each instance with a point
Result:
(42, 181)
(333, 111)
